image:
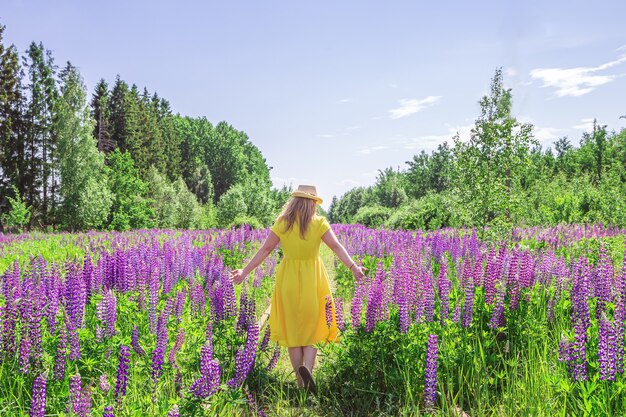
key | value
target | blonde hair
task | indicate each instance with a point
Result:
(298, 208)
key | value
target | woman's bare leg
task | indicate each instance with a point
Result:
(297, 359)
(309, 353)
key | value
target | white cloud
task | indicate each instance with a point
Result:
(326, 136)
(349, 182)
(410, 106)
(585, 124)
(344, 100)
(366, 150)
(621, 48)
(575, 81)
(279, 182)
(547, 134)
(511, 72)
(431, 141)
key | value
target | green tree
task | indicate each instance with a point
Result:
(131, 209)
(162, 193)
(19, 213)
(490, 165)
(40, 138)
(100, 112)
(86, 199)
(188, 210)
(12, 121)
(345, 208)
(389, 188)
(231, 205)
(429, 172)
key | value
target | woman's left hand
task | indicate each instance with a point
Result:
(237, 276)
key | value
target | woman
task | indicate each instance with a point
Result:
(297, 316)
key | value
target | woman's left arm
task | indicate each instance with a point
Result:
(238, 275)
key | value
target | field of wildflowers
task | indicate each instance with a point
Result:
(149, 323)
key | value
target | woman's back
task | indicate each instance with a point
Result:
(294, 247)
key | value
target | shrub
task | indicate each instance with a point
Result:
(372, 216)
(431, 212)
(19, 214)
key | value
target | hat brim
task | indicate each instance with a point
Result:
(297, 193)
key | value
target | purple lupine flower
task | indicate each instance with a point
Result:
(180, 304)
(73, 404)
(110, 303)
(468, 305)
(11, 291)
(272, 364)
(444, 285)
(512, 280)
(83, 408)
(430, 379)
(329, 312)
(230, 307)
(38, 403)
(375, 300)
(174, 412)
(24, 349)
(134, 342)
(339, 314)
(606, 349)
(497, 316)
(59, 359)
(75, 296)
(266, 339)
(618, 327)
(122, 372)
(244, 359)
(357, 304)
(209, 380)
(604, 281)
(178, 344)
(178, 382)
(243, 319)
(428, 292)
(108, 412)
(253, 405)
(158, 355)
(578, 351)
(34, 326)
(162, 333)
(403, 314)
(491, 278)
(550, 309)
(104, 383)
(456, 313)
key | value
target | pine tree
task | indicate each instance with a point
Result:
(12, 162)
(100, 112)
(116, 109)
(40, 138)
(171, 141)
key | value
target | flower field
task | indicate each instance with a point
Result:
(149, 323)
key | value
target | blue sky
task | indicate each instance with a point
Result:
(333, 91)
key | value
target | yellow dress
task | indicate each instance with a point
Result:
(298, 312)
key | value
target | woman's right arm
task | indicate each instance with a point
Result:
(331, 241)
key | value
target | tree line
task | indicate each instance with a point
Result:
(118, 160)
(499, 178)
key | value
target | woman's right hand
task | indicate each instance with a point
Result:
(358, 272)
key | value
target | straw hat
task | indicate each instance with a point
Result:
(307, 191)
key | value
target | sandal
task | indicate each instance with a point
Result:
(307, 378)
